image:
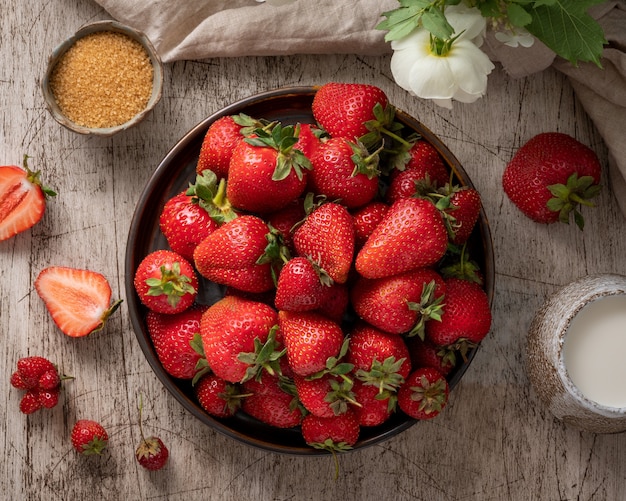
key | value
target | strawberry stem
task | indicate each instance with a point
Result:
(33, 177)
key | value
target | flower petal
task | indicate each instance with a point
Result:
(431, 78)
(468, 21)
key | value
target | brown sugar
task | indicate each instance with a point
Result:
(103, 80)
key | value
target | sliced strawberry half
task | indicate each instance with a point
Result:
(79, 301)
(22, 199)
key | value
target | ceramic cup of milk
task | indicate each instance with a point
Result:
(575, 353)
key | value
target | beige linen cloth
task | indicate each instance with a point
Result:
(202, 29)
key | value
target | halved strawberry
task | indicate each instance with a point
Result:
(22, 199)
(78, 300)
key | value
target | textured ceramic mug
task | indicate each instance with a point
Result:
(545, 355)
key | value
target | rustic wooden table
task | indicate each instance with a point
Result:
(494, 441)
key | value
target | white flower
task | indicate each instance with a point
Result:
(515, 39)
(460, 74)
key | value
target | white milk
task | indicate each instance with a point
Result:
(594, 351)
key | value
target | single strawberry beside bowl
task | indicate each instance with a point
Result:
(551, 176)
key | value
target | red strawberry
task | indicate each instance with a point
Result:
(325, 396)
(336, 433)
(30, 371)
(460, 207)
(366, 219)
(266, 172)
(550, 176)
(381, 360)
(327, 236)
(217, 396)
(41, 380)
(172, 336)
(311, 339)
(343, 109)
(30, 402)
(166, 282)
(89, 437)
(185, 224)
(345, 172)
(220, 140)
(273, 401)
(424, 394)
(374, 408)
(79, 301)
(463, 213)
(285, 220)
(230, 255)
(308, 139)
(400, 304)
(424, 157)
(378, 356)
(336, 302)
(22, 199)
(411, 235)
(49, 380)
(234, 326)
(49, 398)
(425, 166)
(424, 353)
(302, 286)
(151, 453)
(466, 317)
(209, 193)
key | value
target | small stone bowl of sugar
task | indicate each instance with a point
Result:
(575, 353)
(104, 79)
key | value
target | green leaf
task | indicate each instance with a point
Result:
(489, 8)
(517, 15)
(566, 28)
(436, 23)
(403, 20)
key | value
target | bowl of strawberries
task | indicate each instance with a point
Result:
(310, 270)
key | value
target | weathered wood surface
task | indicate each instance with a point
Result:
(494, 441)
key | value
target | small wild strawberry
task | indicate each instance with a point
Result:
(42, 382)
(151, 452)
(89, 437)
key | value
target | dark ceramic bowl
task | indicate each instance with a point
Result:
(173, 174)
